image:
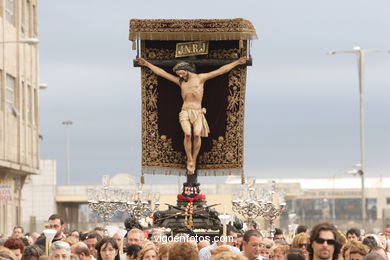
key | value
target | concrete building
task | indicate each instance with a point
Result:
(38, 196)
(309, 200)
(19, 104)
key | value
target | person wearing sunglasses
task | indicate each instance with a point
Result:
(266, 248)
(301, 241)
(324, 242)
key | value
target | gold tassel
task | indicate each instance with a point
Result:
(241, 44)
(134, 46)
(242, 178)
(142, 179)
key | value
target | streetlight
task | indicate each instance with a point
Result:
(360, 53)
(43, 86)
(31, 41)
(67, 124)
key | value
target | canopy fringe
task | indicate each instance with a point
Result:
(183, 172)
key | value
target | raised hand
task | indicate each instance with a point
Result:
(242, 60)
(141, 61)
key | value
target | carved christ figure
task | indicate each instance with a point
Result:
(191, 117)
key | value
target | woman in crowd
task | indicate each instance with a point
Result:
(32, 253)
(107, 249)
(16, 245)
(59, 250)
(354, 250)
(148, 252)
(163, 251)
(71, 240)
(217, 251)
(301, 241)
(183, 251)
(295, 254)
(6, 254)
(266, 247)
(279, 252)
(132, 252)
(229, 255)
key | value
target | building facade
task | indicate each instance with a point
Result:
(309, 200)
(19, 104)
(38, 193)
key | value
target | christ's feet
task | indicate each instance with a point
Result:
(190, 167)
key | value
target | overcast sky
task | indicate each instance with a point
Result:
(302, 106)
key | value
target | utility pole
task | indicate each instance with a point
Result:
(360, 53)
(67, 124)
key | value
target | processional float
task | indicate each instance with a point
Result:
(209, 44)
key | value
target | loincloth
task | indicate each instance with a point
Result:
(192, 115)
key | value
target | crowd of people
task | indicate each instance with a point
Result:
(321, 242)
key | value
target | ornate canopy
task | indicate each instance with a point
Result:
(191, 29)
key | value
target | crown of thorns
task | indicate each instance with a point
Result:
(185, 66)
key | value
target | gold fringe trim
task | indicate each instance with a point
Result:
(192, 29)
(183, 172)
(182, 36)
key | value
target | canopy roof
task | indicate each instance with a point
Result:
(191, 29)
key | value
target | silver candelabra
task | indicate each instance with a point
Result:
(107, 201)
(140, 204)
(252, 203)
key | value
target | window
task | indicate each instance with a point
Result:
(17, 215)
(10, 92)
(23, 100)
(10, 11)
(29, 104)
(25, 19)
(4, 216)
(35, 106)
(28, 19)
(1, 89)
(34, 21)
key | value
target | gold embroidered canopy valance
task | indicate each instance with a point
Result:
(191, 29)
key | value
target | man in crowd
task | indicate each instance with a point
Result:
(202, 244)
(252, 243)
(205, 254)
(380, 251)
(278, 234)
(119, 240)
(301, 229)
(135, 236)
(158, 238)
(17, 232)
(386, 231)
(91, 239)
(324, 242)
(353, 234)
(56, 222)
(81, 250)
(99, 230)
